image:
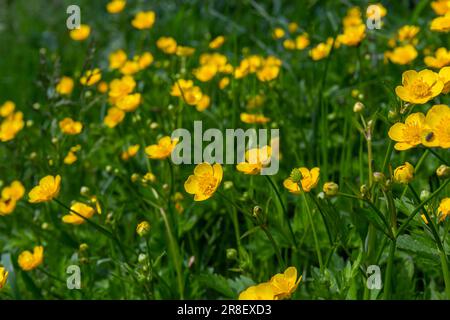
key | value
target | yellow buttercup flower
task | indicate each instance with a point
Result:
(7, 108)
(70, 158)
(3, 277)
(302, 41)
(14, 191)
(65, 86)
(353, 18)
(144, 20)
(352, 36)
(113, 117)
(192, 96)
(255, 160)
(404, 174)
(119, 88)
(254, 118)
(217, 42)
(263, 291)
(373, 13)
(70, 127)
(115, 6)
(7, 206)
(162, 150)
(167, 45)
(224, 82)
(444, 75)
(402, 55)
(441, 24)
(205, 72)
(47, 189)
(289, 44)
(280, 286)
(440, 59)
(103, 87)
(144, 60)
(11, 126)
(129, 103)
(285, 284)
(278, 33)
(143, 228)
(91, 77)
(438, 122)
(444, 209)
(408, 134)
(9, 197)
(130, 67)
(180, 86)
(292, 27)
(203, 103)
(29, 261)
(130, 152)
(441, 7)
(407, 33)
(269, 70)
(82, 209)
(321, 51)
(307, 178)
(205, 181)
(80, 34)
(419, 87)
(117, 59)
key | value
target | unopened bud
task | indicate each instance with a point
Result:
(231, 254)
(143, 228)
(330, 189)
(358, 107)
(424, 195)
(443, 172)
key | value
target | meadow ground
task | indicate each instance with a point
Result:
(95, 205)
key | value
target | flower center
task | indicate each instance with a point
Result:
(207, 185)
(412, 133)
(420, 88)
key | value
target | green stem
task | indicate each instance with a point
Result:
(175, 253)
(389, 270)
(277, 193)
(445, 272)
(313, 228)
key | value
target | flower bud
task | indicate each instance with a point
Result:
(143, 228)
(358, 107)
(257, 211)
(134, 177)
(84, 191)
(330, 189)
(393, 115)
(404, 174)
(364, 190)
(142, 258)
(424, 195)
(228, 185)
(231, 254)
(379, 177)
(83, 247)
(443, 172)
